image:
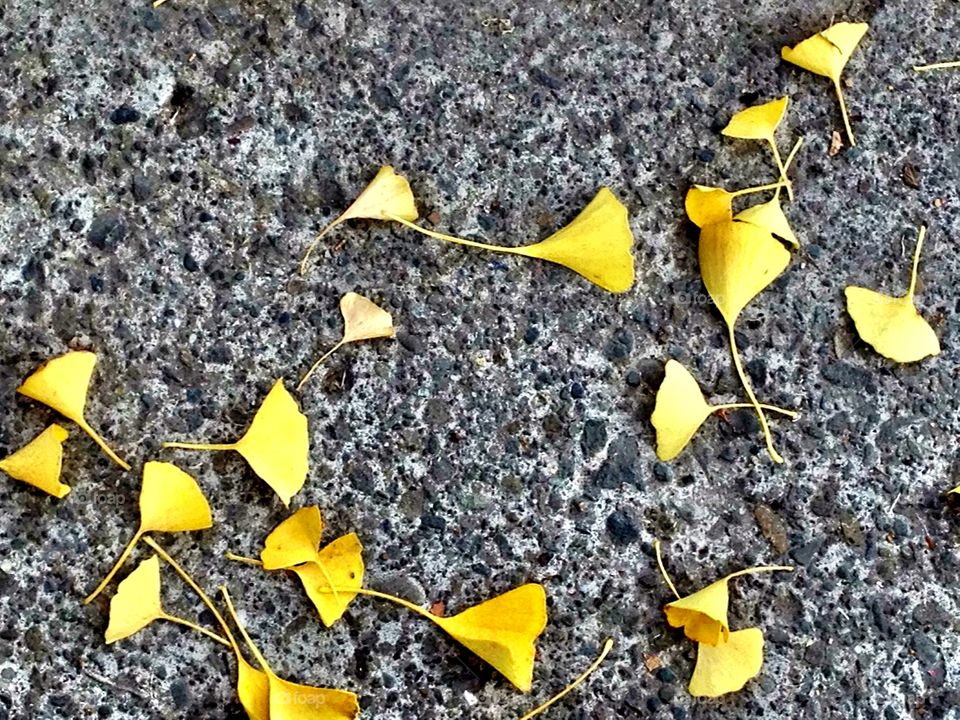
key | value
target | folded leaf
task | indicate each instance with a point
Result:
(387, 195)
(727, 666)
(62, 384)
(38, 463)
(296, 540)
(503, 631)
(328, 578)
(679, 412)
(892, 325)
(706, 205)
(276, 445)
(769, 216)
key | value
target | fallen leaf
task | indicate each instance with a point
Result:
(769, 216)
(276, 445)
(38, 463)
(596, 244)
(62, 384)
(363, 319)
(652, 662)
(706, 205)
(827, 54)
(170, 501)
(438, 608)
(387, 196)
(760, 122)
(294, 541)
(137, 604)
(892, 325)
(265, 696)
(727, 666)
(836, 144)
(338, 567)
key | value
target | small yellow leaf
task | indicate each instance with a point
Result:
(727, 667)
(769, 216)
(62, 384)
(737, 261)
(39, 461)
(503, 631)
(706, 205)
(679, 412)
(296, 540)
(596, 244)
(954, 491)
(339, 567)
(363, 319)
(827, 54)
(758, 122)
(277, 444)
(171, 500)
(137, 602)
(387, 195)
(892, 325)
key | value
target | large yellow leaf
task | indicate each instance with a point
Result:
(727, 666)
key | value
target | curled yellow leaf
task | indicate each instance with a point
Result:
(38, 463)
(276, 445)
(727, 666)
(62, 384)
(387, 195)
(827, 54)
(892, 325)
(296, 540)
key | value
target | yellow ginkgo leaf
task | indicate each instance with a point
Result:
(284, 700)
(387, 196)
(954, 491)
(760, 122)
(277, 444)
(38, 462)
(892, 325)
(706, 205)
(170, 501)
(296, 540)
(337, 568)
(62, 383)
(137, 604)
(727, 666)
(596, 244)
(769, 216)
(827, 54)
(703, 615)
(503, 631)
(363, 319)
(737, 261)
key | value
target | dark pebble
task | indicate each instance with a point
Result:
(411, 343)
(593, 437)
(189, 263)
(123, 115)
(622, 527)
(107, 231)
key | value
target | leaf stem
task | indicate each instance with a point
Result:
(774, 455)
(200, 446)
(607, 647)
(85, 426)
(937, 66)
(243, 631)
(453, 238)
(243, 559)
(916, 262)
(761, 569)
(193, 626)
(757, 188)
(116, 566)
(793, 415)
(843, 109)
(663, 570)
(782, 168)
(306, 256)
(318, 363)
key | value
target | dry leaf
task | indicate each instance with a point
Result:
(267, 697)
(737, 261)
(62, 384)
(652, 662)
(760, 122)
(892, 325)
(836, 144)
(38, 462)
(726, 667)
(277, 444)
(826, 54)
(387, 195)
(362, 320)
(596, 244)
(170, 501)
(137, 604)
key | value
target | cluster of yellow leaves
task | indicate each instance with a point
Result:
(596, 244)
(726, 659)
(740, 255)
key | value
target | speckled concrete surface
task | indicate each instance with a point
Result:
(160, 174)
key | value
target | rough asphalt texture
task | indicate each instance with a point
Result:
(161, 172)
